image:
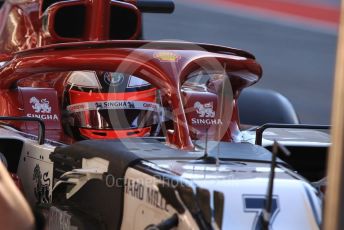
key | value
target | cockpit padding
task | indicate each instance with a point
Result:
(11, 149)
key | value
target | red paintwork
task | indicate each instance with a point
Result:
(21, 23)
(46, 67)
(81, 97)
(114, 135)
(53, 120)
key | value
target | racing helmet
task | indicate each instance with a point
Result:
(109, 105)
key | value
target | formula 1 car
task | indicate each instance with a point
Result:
(136, 134)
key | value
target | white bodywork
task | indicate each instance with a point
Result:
(298, 206)
(33, 155)
(144, 205)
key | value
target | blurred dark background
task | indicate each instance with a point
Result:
(294, 40)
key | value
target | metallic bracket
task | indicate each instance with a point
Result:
(41, 131)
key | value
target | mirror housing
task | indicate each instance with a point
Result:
(63, 22)
(84, 20)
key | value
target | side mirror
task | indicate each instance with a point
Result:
(79, 20)
(124, 22)
(64, 22)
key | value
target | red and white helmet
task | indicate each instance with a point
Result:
(109, 105)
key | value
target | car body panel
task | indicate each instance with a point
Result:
(203, 173)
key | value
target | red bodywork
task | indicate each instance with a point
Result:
(36, 60)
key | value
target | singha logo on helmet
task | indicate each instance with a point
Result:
(204, 110)
(40, 106)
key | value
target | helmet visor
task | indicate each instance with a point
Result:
(114, 115)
